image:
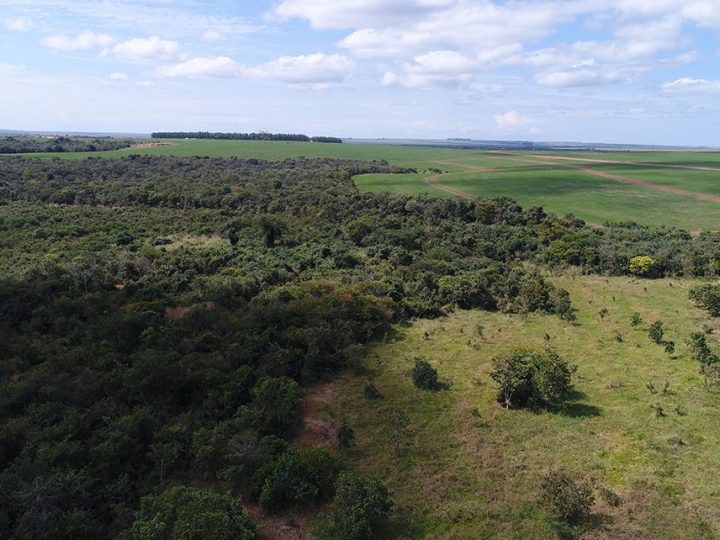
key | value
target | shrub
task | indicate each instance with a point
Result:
(424, 375)
(294, 479)
(371, 391)
(345, 435)
(359, 507)
(636, 320)
(700, 351)
(642, 266)
(532, 379)
(568, 499)
(186, 513)
(707, 297)
(656, 332)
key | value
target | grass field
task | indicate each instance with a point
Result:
(658, 189)
(473, 469)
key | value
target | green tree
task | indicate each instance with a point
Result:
(276, 401)
(569, 499)
(532, 379)
(642, 265)
(656, 332)
(189, 513)
(424, 375)
(359, 507)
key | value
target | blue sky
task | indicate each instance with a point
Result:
(625, 71)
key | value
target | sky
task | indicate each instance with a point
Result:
(616, 71)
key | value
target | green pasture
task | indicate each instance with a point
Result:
(472, 469)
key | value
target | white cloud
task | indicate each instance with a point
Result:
(145, 84)
(152, 48)
(18, 24)
(355, 13)
(213, 35)
(117, 76)
(83, 41)
(309, 69)
(511, 120)
(202, 68)
(687, 84)
(580, 77)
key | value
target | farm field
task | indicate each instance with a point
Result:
(676, 189)
(473, 469)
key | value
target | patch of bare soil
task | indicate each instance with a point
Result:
(277, 527)
(319, 423)
(178, 312)
(151, 145)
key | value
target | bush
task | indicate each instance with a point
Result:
(186, 513)
(295, 479)
(359, 507)
(568, 499)
(532, 379)
(656, 332)
(636, 320)
(707, 297)
(424, 375)
(642, 266)
(371, 391)
(345, 435)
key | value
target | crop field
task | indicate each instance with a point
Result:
(641, 424)
(675, 189)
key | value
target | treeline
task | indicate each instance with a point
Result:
(260, 136)
(23, 145)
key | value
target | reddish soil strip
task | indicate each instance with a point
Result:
(151, 145)
(319, 427)
(275, 527)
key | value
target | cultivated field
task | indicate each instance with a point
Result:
(675, 189)
(473, 469)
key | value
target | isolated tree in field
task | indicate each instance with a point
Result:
(532, 379)
(636, 320)
(424, 375)
(656, 332)
(359, 507)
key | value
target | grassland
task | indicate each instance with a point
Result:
(667, 190)
(473, 469)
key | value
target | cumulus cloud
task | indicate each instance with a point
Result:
(83, 41)
(118, 76)
(511, 120)
(318, 68)
(220, 67)
(580, 77)
(687, 84)
(18, 24)
(152, 48)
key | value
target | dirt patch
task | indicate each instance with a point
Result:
(151, 145)
(277, 527)
(319, 421)
(178, 312)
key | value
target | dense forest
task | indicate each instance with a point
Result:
(24, 145)
(260, 136)
(161, 315)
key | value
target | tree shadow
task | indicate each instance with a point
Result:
(575, 409)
